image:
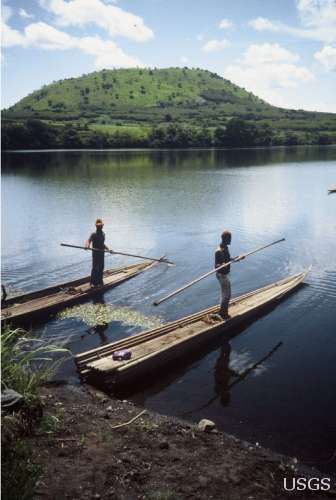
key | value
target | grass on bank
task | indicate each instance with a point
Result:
(27, 363)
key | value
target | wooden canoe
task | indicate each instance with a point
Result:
(24, 308)
(152, 349)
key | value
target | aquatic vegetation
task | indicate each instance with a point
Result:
(102, 314)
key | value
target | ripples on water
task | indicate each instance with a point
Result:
(178, 203)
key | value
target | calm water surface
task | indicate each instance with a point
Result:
(178, 203)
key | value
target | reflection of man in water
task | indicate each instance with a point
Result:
(223, 374)
(100, 330)
(97, 240)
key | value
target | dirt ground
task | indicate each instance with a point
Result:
(154, 457)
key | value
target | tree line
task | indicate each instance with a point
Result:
(36, 134)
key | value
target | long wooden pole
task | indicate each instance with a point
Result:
(236, 259)
(166, 261)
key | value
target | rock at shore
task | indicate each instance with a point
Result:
(206, 425)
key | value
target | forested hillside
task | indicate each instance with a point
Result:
(156, 107)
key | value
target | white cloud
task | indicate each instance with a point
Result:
(9, 36)
(107, 54)
(43, 36)
(268, 53)
(263, 24)
(268, 76)
(318, 15)
(215, 45)
(225, 24)
(113, 19)
(317, 20)
(327, 57)
(6, 12)
(265, 69)
(23, 13)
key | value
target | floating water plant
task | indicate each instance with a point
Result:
(102, 314)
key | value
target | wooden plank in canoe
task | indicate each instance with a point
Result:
(158, 346)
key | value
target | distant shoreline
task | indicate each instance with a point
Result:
(253, 148)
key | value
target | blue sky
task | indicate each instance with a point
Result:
(283, 51)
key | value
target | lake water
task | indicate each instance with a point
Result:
(178, 203)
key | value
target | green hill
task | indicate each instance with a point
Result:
(108, 90)
(134, 100)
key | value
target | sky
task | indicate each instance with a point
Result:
(284, 51)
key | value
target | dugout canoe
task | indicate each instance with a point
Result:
(154, 348)
(27, 307)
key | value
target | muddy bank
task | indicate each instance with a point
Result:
(85, 456)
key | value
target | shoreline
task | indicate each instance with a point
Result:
(251, 148)
(150, 456)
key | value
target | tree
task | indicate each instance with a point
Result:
(41, 134)
(219, 136)
(291, 140)
(239, 133)
(97, 140)
(324, 140)
(15, 137)
(29, 135)
(70, 138)
(156, 137)
(203, 138)
(265, 135)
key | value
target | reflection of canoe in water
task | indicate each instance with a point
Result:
(333, 190)
(37, 304)
(151, 349)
